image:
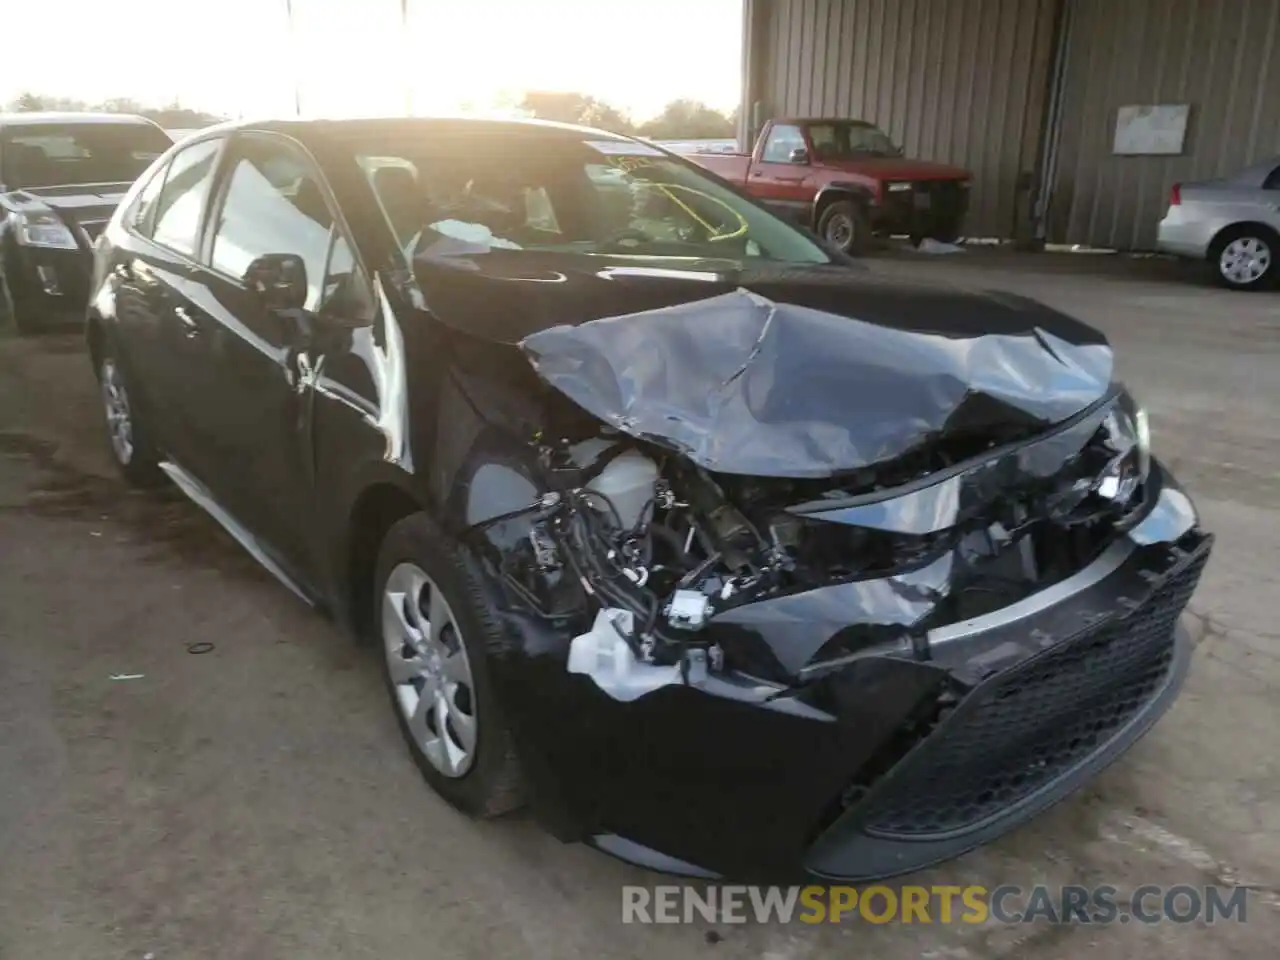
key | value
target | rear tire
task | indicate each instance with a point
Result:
(1243, 258)
(130, 443)
(437, 636)
(846, 226)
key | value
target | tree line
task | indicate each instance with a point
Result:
(682, 119)
(174, 116)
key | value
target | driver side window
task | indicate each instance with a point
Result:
(783, 139)
(274, 202)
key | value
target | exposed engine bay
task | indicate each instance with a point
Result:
(647, 547)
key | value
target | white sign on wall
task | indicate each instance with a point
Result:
(1151, 129)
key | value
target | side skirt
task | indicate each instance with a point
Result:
(201, 497)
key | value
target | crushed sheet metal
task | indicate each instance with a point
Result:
(802, 392)
(950, 499)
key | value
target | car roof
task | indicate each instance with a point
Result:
(348, 129)
(46, 117)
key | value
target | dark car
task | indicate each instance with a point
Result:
(61, 176)
(728, 558)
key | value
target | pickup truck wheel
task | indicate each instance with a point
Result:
(845, 225)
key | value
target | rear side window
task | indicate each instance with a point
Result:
(141, 215)
(177, 210)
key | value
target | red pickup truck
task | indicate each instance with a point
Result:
(848, 181)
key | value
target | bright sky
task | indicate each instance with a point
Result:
(352, 56)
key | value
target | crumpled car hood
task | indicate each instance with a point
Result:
(742, 383)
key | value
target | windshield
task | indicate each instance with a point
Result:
(843, 141)
(549, 192)
(54, 155)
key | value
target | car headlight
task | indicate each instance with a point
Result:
(1129, 439)
(1143, 428)
(899, 187)
(44, 230)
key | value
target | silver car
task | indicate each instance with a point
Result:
(1233, 223)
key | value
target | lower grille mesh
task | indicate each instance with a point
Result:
(1037, 721)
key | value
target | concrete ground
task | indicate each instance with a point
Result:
(256, 801)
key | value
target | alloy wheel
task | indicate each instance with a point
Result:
(115, 401)
(1245, 260)
(429, 670)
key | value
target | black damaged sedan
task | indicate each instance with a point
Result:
(728, 558)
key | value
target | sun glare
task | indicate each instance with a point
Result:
(345, 57)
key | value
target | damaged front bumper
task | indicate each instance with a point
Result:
(878, 761)
(1063, 688)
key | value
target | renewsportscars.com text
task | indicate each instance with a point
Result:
(1069, 904)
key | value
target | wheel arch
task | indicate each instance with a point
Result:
(379, 506)
(835, 192)
(1240, 226)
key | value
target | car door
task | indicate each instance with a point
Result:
(272, 200)
(155, 276)
(778, 181)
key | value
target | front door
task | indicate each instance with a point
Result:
(272, 201)
(777, 180)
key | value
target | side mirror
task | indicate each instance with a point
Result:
(799, 155)
(279, 280)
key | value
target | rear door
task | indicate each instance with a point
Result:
(155, 279)
(273, 200)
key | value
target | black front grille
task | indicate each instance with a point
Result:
(1035, 722)
(929, 204)
(947, 199)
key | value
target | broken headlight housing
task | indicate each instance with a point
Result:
(1128, 438)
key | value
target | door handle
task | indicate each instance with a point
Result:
(187, 321)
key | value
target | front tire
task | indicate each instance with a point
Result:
(1243, 258)
(130, 443)
(437, 637)
(846, 226)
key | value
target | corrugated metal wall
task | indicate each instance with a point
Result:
(958, 81)
(1219, 56)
